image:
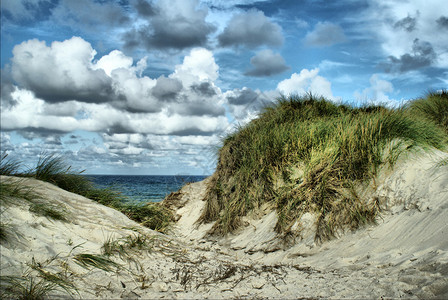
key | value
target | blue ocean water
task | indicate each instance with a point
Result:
(143, 188)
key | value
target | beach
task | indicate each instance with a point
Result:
(403, 255)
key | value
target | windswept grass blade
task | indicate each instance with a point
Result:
(97, 261)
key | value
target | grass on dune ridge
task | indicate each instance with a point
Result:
(53, 168)
(307, 154)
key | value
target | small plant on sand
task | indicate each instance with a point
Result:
(4, 229)
(36, 283)
(13, 189)
(151, 215)
(15, 287)
(124, 247)
(97, 261)
(50, 211)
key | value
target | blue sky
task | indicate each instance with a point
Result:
(151, 87)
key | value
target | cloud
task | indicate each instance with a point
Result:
(407, 23)
(251, 29)
(442, 22)
(90, 15)
(166, 88)
(330, 65)
(66, 71)
(30, 113)
(377, 92)
(397, 25)
(267, 63)
(325, 34)
(144, 8)
(307, 81)
(204, 89)
(198, 66)
(174, 25)
(245, 104)
(61, 72)
(186, 102)
(423, 55)
(24, 10)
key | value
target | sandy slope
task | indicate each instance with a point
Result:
(404, 255)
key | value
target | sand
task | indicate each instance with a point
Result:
(404, 255)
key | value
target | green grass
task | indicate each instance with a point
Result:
(151, 215)
(14, 287)
(8, 166)
(125, 247)
(53, 168)
(307, 154)
(4, 231)
(101, 262)
(433, 107)
(15, 189)
(50, 211)
(36, 283)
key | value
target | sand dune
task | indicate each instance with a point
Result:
(404, 255)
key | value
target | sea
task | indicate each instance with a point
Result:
(143, 188)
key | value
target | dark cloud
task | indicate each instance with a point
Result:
(204, 89)
(198, 108)
(193, 131)
(31, 133)
(118, 128)
(27, 12)
(245, 104)
(171, 27)
(90, 15)
(251, 29)
(407, 23)
(325, 34)
(442, 22)
(7, 88)
(243, 97)
(100, 93)
(423, 55)
(166, 88)
(267, 63)
(144, 8)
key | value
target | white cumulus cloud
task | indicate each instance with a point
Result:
(307, 81)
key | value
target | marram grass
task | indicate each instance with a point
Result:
(307, 154)
(54, 169)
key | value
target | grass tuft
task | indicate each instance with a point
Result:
(307, 154)
(433, 107)
(8, 167)
(124, 247)
(97, 261)
(50, 211)
(14, 287)
(151, 215)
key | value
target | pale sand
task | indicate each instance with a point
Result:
(404, 256)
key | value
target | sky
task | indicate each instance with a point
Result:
(150, 87)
